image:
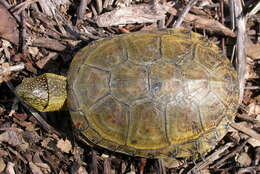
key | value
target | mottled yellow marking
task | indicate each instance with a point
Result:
(45, 93)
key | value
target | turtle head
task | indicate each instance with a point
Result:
(47, 92)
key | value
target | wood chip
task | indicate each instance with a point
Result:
(35, 169)
(242, 126)
(254, 142)
(11, 137)
(145, 13)
(48, 43)
(252, 50)
(64, 145)
(244, 160)
(8, 26)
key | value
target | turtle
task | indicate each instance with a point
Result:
(152, 94)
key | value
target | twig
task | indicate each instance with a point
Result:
(241, 35)
(99, 6)
(210, 159)
(222, 22)
(252, 170)
(161, 23)
(106, 3)
(206, 23)
(82, 9)
(254, 10)
(161, 168)
(94, 165)
(12, 68)
(21, 6)
(236, 150)
(252, 87)
(232, 14)
(184, 13)
(24, 34)
(246, 130)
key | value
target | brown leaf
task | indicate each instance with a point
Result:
(35, 169)
(2, 165)
(8, 26)
(44, 167)
(10, 168)
(5, 75)
(253, 109)
(11, 137)
(64, 146)
(244, 159)
(252, 50)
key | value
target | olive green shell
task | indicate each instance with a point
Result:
(153, 94)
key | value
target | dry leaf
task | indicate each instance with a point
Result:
(47, 143)
(11, 137)
(8, 27)
(34, 51)
(252, 50)
(44, 166)
(35, 169)
(82, 170)
(10, 168)
(5, 75)
(253, 109)
(244, 159)
(2, 165)
(64, 146)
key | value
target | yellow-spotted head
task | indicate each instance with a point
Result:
(47, 92)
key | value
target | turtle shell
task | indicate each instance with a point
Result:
(153, 93)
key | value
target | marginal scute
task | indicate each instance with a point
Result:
(187, 149)
(209, 58)
(207, 141)
(212, 111)
(223, 83)
(79, 120)
(91, 136)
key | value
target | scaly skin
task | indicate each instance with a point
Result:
(45, 93)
